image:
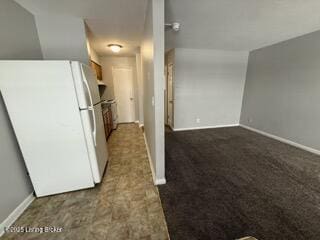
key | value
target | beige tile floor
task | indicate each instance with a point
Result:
(126, 205)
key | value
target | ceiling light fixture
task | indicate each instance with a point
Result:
(115, 47)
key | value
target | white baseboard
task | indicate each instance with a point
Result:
(16, 213)
(160, 181)
(155, 180)
(136, 121)
(140, 125)
(298, 145)
(205, 127)
(149, 158)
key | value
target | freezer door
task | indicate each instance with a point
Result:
(96, 140)
(86, 85)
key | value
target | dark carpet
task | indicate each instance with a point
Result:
(229, 183)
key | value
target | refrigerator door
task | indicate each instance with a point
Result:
(86, 85)
(96, 140)
(43, 109)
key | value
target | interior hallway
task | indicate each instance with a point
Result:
(126, 205)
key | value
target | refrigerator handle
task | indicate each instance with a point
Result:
(91, 108)
(94, 134)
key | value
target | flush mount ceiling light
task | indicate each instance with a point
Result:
(115, 47)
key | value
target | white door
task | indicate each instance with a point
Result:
(170, 96)
(123, 91)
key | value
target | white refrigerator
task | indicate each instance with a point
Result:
(55, 111)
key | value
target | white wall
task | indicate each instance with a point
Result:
(62, 38)
(282, 92)
(152, 53)
(107, 64)
(19, 38)
(15, 184)
(18, 41)
(208, 84)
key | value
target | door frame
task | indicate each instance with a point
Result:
(167, 82)
(133, 92)
(166, 94)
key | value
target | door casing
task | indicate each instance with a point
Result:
(170, 96)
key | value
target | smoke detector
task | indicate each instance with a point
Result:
(174, 26)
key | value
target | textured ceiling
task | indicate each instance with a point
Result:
(212, 24)
(110, 21)
(239, 25)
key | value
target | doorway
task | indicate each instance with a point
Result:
(169, 93)
(170, 98)
(123, 92)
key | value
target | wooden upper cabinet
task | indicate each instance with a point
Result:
(97, 68)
